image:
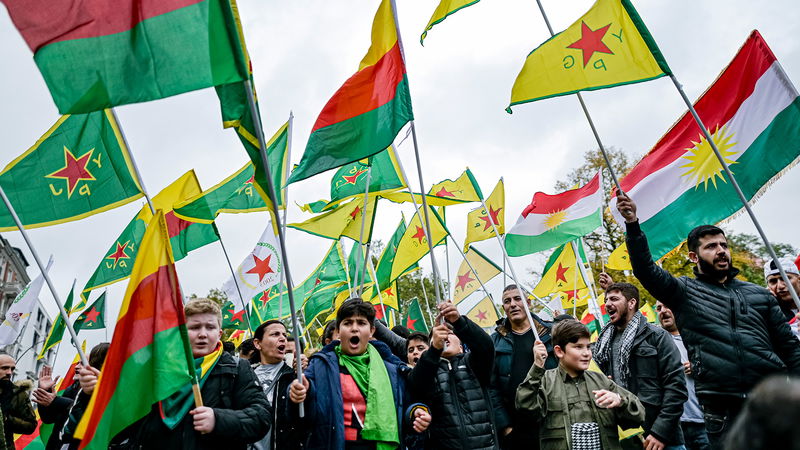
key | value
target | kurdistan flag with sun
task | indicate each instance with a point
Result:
(753, 114)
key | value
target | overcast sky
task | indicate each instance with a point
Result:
(460, 83)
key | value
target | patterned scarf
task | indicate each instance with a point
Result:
(603, 347)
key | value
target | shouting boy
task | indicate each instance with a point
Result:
(575, 408)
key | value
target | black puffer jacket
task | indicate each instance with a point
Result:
(734, 332)
(456, 389)
(240, 408)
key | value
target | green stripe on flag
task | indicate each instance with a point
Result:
(519, 245)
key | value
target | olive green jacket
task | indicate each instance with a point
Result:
(544, 394)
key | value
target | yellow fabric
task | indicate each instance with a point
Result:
(568, 298)
(384, 35)
(237, 337)
(479, 220)
(414, 244)
(445, 8)
(648, 311)
(388, 296)
(564, 275)
(445, 193)
(619, 259)
(555, 69)
(344, 220)
(466, 281)
(484, 313)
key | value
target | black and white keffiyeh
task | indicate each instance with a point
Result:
(586, 436)
(602, 349)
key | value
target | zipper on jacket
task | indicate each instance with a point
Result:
(454, 393)
(734, 333)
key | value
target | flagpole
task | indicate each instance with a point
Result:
(428, 233)
(447, 267)
(469, 264)
(585, 111)
(235, 278)
(349, 286)
(575, 283)
(427, 302)
(105, 315)
(50, 285)
(735, 185)
(377, 288)
(286, 200)
(362, 257)
(271, 193)
(511, 267)
(133, 162)
(588, 281)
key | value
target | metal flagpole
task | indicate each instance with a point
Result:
(50, 285)
(349, 286)
(362, 257)
(133, 162)
(427, 302)
(428, 233)
(105, 315)
(377, 288)
(738, 189)
(287, 170)
(575, 285)
(447, 267)
(271, 193)
(585, 111)
(235, 278)
(589, 282)
(469, 264)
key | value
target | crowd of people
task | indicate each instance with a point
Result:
(717, 372)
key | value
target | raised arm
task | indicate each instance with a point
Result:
(396, 343)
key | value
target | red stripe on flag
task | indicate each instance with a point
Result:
(716, 107)
(175, 225)
(62, 20)
(25, 439)
(153, 307)
(545, 203)
(370, 88)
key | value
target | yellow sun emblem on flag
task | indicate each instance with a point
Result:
(703, 165)
(555, 219)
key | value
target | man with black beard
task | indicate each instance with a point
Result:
(734, 331)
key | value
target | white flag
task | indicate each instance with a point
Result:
(259, 271)
(19, 311)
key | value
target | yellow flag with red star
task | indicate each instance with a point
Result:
(388, 297)
(619, 258)
(463, 189)
(469, 281)
(414, 243)
(480, 220)
(561, 273)
(484, 313)
(344, 220)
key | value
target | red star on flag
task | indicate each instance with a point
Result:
(492, 212)
(236, 316)
(420, 234)
(591, 41)
(355, 212)
(410, 323)
(119, 253)
(571, 294)
(262, 267)
(561, 272)
(91, 316)
(389, 292)
(463, 280)
(353, 178)
(444, 193)
(74, 170)
(481, 316)
(264, 298)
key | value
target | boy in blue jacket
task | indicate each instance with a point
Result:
(354, 389)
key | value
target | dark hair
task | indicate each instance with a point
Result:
(401, 331)
(355, 307)
(417, 336)
(562, 317)
(628, 291)
(246, 346)
(290, 338)
(569, 332)
(510, 287)
(693, 239)
(757, 426)
(327, 335)
(229, 347)
(98, 355)
(259, 333)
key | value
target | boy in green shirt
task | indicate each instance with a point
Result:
(575, 408)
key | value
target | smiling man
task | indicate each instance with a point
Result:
(354, 391)
(734, 331)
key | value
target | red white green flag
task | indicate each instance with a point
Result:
(552, 220)
(366, 113)
(96, 54)
(752, 112)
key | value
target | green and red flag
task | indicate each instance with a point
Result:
(150, 348)
(235, 194)
(97, 54)
(366, 113)
(233, 318)
(414, 320)
(80, 167)
(57, 330)
(184, 236)
(94, 317)
(752, 112)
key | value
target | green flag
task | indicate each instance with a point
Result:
(235, 194)
(233, 318)
(355, 262)
(80, 167)
(268, 306)
(57, 331)
(316, 290)
(321, 301)
(94, 317)
(414, 320)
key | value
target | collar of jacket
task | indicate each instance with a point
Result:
(503, 327)
(567, 377)
(732, 272)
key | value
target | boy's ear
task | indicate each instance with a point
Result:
(371, 330)
(559, 352)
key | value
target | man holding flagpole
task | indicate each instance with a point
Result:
(734, 331)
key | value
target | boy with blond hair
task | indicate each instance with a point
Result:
(575, 408)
